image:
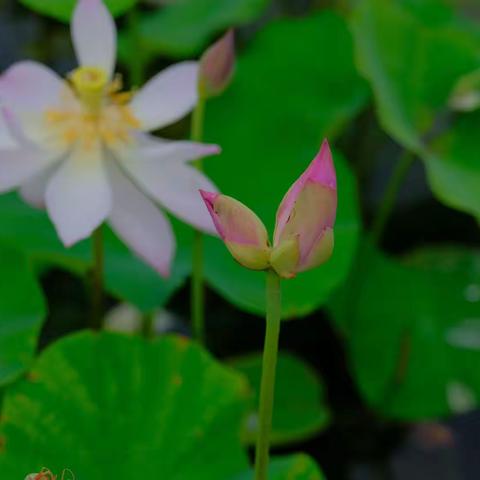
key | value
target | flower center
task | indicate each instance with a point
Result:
(102, 115)
(90, 84)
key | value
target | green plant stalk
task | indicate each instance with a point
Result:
(97, 278)
(388, 201)
(197, 288)
(267, 387)
(198, 117)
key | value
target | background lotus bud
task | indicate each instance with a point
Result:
(217, 65)
(243, 232)
(466, 93)
(306, 217)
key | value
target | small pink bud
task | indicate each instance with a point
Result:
(243, 232)
(217, 65)
(303, 236)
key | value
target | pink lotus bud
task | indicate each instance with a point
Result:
(217, 65)
(303, 236)
(243, 232)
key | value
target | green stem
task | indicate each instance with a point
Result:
(198, 117)
(388, 201)
(136, 64)
(267, 387)
(97, 279)
(197, 287)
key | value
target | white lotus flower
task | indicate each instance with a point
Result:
(84, 153)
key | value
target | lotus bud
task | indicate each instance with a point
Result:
(466, 94)
(242, 231)
(217, 65)
(303, 237)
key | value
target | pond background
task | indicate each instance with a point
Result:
(359, 444)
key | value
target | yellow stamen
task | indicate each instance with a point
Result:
(90, 85)
(104, 116)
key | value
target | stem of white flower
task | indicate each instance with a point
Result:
(197, 286)
(97, 279)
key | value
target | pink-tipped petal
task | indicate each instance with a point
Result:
(163, 172)
(312, 213)
(79, 197)
(167, 97)
(209, 199)
(243, 232)
(307, 212)
(217, 65)
(321, 171)
(94, 35)
(140, 223)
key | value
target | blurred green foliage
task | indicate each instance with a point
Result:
(408, 323)
(300, 409)
(413, 53)
(397, 316)
(22, 311)
(183, 28)
(111, 406)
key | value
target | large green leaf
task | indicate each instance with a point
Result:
(109, 406)
(397, 320)
(22, 311)
(287, 95)
(413, 54)
(300, 410)
(293, 467)
(183, 28)
(62, 9)
(126, 276)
